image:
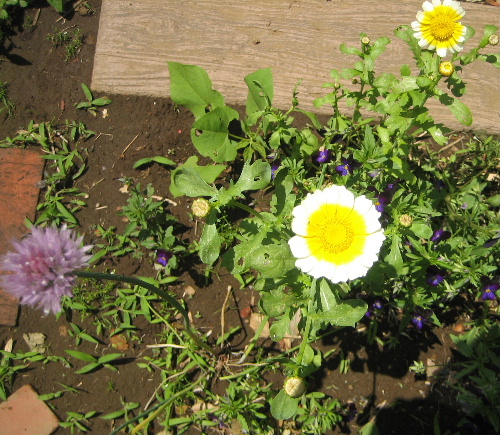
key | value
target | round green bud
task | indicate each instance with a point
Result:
(295, 386)
(406, 220)
(200, 207)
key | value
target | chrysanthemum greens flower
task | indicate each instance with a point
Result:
(446, 69)
(42, 268)
(437, 26)
(338, 236)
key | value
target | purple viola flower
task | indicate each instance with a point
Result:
(274, 169)
(163, 257)
(489, 292)
(323, 155)
(377, 305)
(418, 321)
(345, 168)
(435, 276)
(440, 235)
(42, 268)
(383, 200)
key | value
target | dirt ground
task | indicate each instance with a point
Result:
(45, 87)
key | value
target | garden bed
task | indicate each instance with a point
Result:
(369, 377)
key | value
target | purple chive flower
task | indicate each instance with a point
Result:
(162, 257)
(323, 155)
(43, 265)
(435, 276)
(440, 235)
(345, 168)
(489, 292)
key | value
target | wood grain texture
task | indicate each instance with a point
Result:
(298, 39)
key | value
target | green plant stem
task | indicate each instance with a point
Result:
(152, 288)
(247, 209)
(256, 337)
(307, 329)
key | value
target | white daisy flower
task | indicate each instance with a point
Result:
(437, 26)
(338, 236)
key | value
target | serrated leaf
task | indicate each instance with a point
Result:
(345, 313)
(271, 261)
(208, 173)
(189, 182)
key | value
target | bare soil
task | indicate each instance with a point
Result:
(45, 87)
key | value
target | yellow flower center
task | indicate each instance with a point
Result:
(336, 234)
(442, 28)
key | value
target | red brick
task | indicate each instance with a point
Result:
(20, 170)
(24, 413)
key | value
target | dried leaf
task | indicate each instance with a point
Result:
(35, 341)
(255, 322)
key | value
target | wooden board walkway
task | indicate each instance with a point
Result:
(298, 39)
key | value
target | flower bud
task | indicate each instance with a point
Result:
(295, 386)
(406, 220)
(365, 40)
(493, 39)
(200, 207)
(446, 69)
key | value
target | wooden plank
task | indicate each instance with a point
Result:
(298, 39)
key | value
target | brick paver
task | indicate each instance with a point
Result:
(20, 170)
(24, 413)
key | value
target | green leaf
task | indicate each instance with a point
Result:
(191, 87)
(210, 242)
(350, 50)
(260, 90)
(109, 357)
(58, 5)
(87, 92)
(462, 112)
(254, 176)
(394, 257)
(421, 230)
(346, 313)
(81, 355)
(276, 302)
(280, 328)
(88, 368)
(271, 261)
(158, 159)
(283, 406)
(189, 182)
(210, 134)
(101, 101)
(208, 173)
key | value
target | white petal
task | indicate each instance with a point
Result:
(441, 51)
(422, 42)
(427, 6)
(298, 246)
(415, 25)
(306, 264)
